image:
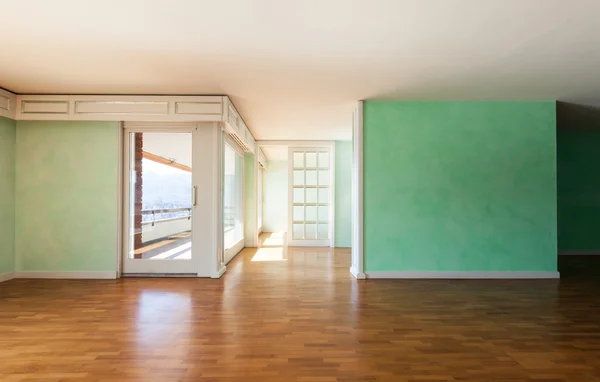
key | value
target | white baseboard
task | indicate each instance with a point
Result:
(7, 276)
(64, 275)
(462, 275)
(357, 275)
(579, 253)
(218, 274)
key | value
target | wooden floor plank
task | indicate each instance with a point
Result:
(301, 317)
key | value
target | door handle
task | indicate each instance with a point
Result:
(194, 191)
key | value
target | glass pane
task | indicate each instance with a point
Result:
(298, 231)
(298, 160)
(259, 197)
(311, 178)
(311, 232)
(298, 178)
(233, 214)
(311, 213)
(323, 231)
(311, 160)
(160, 196)
(323, 177)
(298, 213)
(323, 195)
(324, 160)
(298, 195)
(311, 195)
(324, 214)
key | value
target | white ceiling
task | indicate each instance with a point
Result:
(295, 68)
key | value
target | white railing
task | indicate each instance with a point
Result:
(162, 223)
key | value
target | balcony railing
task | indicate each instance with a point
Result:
(163, 223)
(150, 216)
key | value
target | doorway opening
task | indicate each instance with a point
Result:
(298, 192)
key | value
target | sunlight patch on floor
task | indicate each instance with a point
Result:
(276, 239)
(269, 254)
(184, 252)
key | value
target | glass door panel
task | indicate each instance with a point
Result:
(310, 196)
(233, 203)
(160, 203)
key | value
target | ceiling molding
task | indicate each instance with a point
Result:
(129, 108)
(295, 143)
(8, 104)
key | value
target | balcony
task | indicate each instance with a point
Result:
(166, 234)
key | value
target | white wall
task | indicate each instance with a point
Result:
(275, 197)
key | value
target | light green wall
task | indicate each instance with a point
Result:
(249, 197)
(578, 189)
(275, 197)
(460, 186)
(343, 193)
(66, 200)
(7, 195)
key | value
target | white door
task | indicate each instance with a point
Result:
(159, 201)
(310, 198)
(233, 199)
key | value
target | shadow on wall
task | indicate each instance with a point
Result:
(577, 117)
(578, 178)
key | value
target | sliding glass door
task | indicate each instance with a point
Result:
(233, 200)
(160, 198)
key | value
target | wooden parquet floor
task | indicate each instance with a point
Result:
(299, 316)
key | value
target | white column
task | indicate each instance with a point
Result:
(357, 268)
(207, 225)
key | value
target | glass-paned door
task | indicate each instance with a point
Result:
(233, 200)
(159, 203)
(310, 197)
(259, 200)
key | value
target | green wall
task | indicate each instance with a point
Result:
(343, 194)
(460, 186)
(66, 200)
(578, 190)
(7, 195)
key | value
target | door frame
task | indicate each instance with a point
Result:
(125, 196)
(231, 253)
(317, 242)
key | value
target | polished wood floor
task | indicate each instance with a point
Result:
(297, 315)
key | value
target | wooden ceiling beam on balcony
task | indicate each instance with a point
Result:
(165, 161)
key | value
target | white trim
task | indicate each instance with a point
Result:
(234, 145)
(357, 275)
(232, 252)
(580, 253)
(461, 275)
(332, 196)
(7, 276)
(357, 268)
(119, 108)
(140, 108)
(120, 179)
(218, 273)
(64, 275)
(8, 104)
(296, 143)
(210, 169)
(235, 126)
